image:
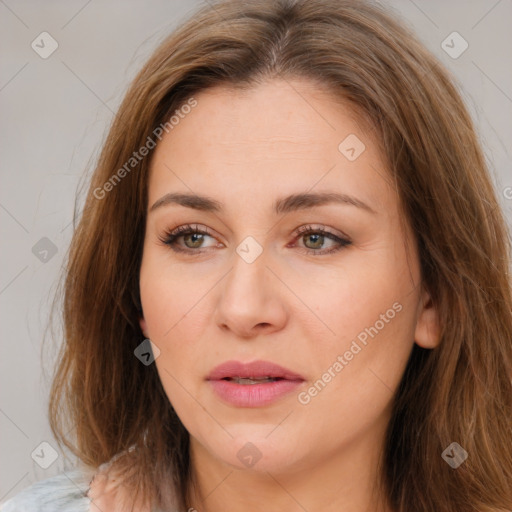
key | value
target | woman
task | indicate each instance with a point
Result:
(289, 288)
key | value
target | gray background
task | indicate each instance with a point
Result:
(55, 113)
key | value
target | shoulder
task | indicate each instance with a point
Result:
(66, 492)
(108, 492)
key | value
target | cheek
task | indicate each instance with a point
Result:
(355, 376)
(345, 300)
(366, 315)
(167, 305)
(173, 306)
(169, 297)
(374, 327)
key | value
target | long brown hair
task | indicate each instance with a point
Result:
(460, 391)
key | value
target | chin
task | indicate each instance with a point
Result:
(254, 450)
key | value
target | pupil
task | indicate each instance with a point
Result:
(319, 240)
(197, 239)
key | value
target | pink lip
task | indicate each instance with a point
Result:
(252, 395)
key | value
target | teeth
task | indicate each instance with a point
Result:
(240, 380)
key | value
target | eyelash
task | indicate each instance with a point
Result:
(169, 238)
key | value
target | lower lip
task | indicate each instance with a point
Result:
(253, 395)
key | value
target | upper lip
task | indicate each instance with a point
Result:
(255, 369)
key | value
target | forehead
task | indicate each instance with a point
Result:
(277, 137)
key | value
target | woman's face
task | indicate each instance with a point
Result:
(259, 281)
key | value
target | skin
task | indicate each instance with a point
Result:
(299, 310)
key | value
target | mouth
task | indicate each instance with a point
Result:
(251, 380)
(255, 384)
(252, 373)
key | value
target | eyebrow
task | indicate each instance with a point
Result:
(293, 202)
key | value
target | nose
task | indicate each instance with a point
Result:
(251, 299)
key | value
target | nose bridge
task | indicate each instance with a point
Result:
(249, 297)
(248, 278)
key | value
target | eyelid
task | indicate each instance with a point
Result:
(306, 228)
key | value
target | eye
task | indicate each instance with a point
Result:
(192, 236)
(315, 238)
